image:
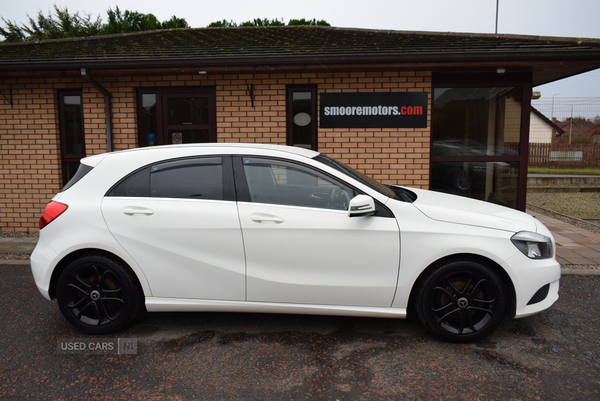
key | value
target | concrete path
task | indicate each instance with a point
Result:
(574, 245)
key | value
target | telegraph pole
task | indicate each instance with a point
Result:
(497, 7)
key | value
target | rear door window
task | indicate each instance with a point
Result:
(200, 178)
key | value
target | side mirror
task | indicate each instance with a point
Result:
(361, 205)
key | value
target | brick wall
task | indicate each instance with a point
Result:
(30, 169)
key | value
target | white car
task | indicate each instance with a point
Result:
(275, 229)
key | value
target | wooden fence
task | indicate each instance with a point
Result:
(564, 155)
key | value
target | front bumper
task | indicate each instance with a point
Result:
(529, 278)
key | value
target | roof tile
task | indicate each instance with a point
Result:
(259, 44)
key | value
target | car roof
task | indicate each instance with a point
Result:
(223, 147)
(280, 148)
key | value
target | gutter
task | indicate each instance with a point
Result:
(279, 60)
(107, 106)
(258, 65)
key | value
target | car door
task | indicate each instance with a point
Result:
(179, 221)
(301, 245)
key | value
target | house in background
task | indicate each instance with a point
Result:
(442, 111)
(577, 130)
(594, 134)
(542, 129)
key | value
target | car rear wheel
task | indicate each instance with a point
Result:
(461, 301)
(98, 295)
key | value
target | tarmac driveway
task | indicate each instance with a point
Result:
(554, 355)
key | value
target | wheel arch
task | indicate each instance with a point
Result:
(502, 274)
(62, 265)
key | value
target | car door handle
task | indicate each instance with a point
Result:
(131, 210)
(266, 218)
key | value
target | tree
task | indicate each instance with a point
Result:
(263, 22)
(13, 32)
(309, 22)
(267, 22)
(132, 21)
(222, 24)
(175, 23)
(65, 25)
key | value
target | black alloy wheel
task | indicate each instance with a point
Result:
(462, 301)
(98, 295)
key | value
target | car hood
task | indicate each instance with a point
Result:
(461, 210)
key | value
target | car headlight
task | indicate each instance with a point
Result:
(533, 245)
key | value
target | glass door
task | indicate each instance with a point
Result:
(186, 119)
(476, 143)
(172, 116)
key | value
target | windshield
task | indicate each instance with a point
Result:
(393, 192)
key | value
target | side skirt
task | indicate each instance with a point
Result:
(154, 304)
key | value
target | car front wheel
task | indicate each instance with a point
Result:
(461, 301)
(98, 295)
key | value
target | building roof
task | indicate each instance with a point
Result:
(317, 47)
(579, 127)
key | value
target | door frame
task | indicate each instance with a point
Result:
(290, 89)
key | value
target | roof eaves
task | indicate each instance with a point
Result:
(454, 58)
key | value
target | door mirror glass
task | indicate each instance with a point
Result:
(361, 205)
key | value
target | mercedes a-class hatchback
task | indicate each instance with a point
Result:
(275, 229)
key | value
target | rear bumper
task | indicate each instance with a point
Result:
(42, 258)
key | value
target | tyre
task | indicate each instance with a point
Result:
(461, 301)
(98, 295)
(461, 180)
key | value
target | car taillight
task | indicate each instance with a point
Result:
(51, 212)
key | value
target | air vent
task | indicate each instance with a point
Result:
(540, 295)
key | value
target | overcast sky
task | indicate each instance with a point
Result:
(572, 18)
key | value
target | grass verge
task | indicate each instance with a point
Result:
(543, 170)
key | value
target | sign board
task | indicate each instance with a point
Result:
(373, 110)
(177, 138)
